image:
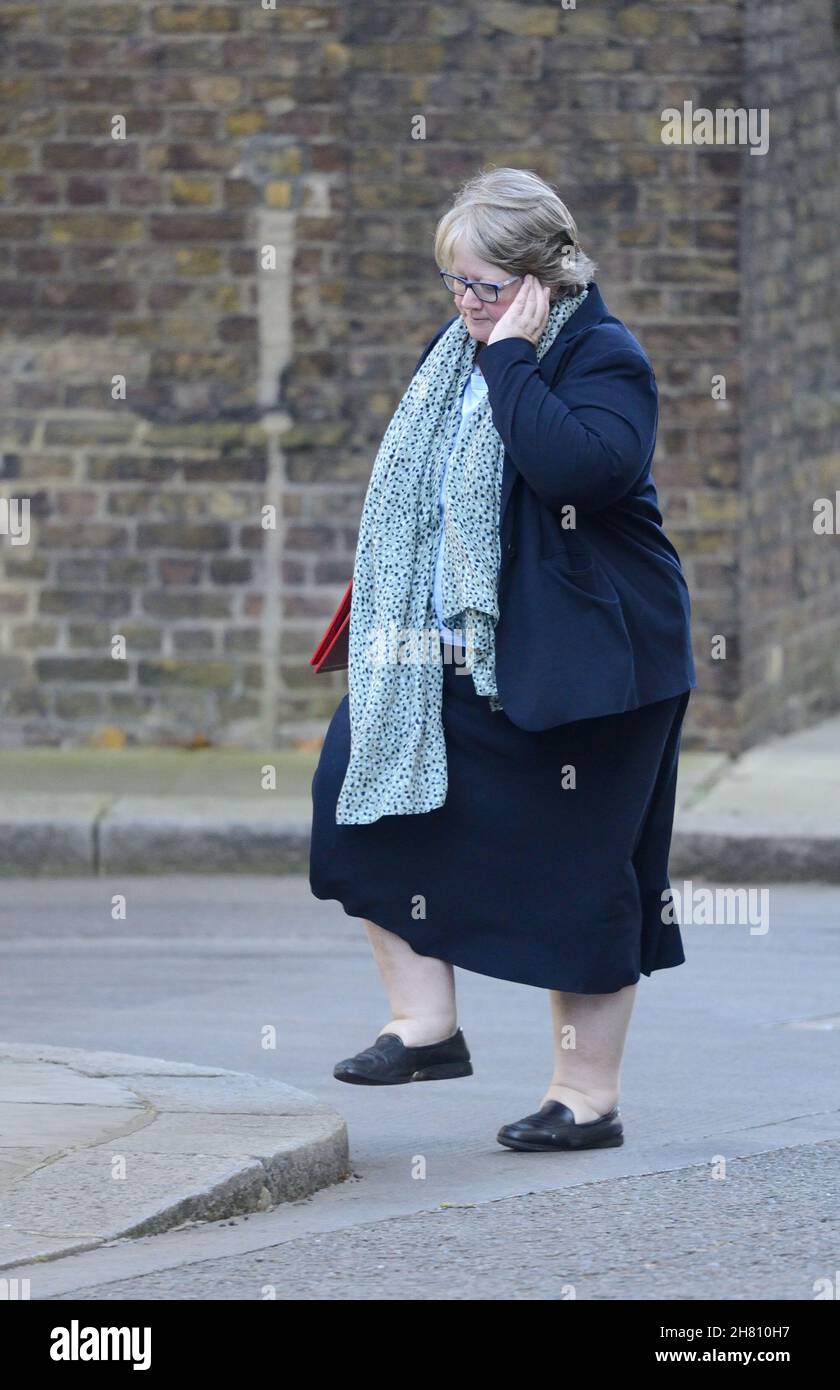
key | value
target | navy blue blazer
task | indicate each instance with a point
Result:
(594, 616)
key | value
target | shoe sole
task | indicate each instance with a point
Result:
(612, 1141)
(443, 1071)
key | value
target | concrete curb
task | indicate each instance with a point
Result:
(771, 814)
(247, 835)
(726, 848)
(159, 835)
(76, 835)
(102, 1146)
(49, 834)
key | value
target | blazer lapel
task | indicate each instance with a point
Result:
(591, 311)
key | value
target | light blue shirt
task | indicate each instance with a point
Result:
(474, 393)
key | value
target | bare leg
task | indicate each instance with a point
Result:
(589, 1035)
(420, 990)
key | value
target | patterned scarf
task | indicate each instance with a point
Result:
(397, 763)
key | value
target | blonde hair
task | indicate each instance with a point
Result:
(514, 219)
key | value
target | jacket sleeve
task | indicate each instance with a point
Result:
(590, 439)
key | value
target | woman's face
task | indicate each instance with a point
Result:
(480, 317)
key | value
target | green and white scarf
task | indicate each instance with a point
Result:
(397, 763)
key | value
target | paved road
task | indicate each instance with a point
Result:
(730, 1056)
(771, 1230)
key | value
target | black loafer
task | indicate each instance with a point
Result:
(390, 1063)
(554, 1126)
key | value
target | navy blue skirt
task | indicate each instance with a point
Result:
(547, 863)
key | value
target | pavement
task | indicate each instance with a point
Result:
(773, 813)
(97, 1147)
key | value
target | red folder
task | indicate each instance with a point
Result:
(332, 652)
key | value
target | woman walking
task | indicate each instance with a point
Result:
(496, 790)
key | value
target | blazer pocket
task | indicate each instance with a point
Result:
(590, 581)
(569, 563)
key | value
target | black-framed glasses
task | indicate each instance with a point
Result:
(486, 290)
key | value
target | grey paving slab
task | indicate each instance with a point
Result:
(93, 1063)
(223, 1094)
(154, 771)
(85, 1196)
(259, 1136)
(698, 773)
(43, 1083)
(75, 1173)
(16, 1162)
(68, 1126)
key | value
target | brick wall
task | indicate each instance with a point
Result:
(251, 384)
(790, 576)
